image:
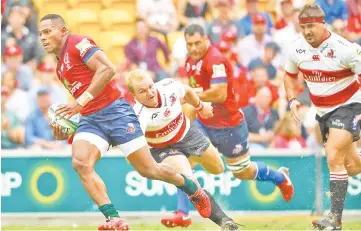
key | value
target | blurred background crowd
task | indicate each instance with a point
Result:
(254, 34)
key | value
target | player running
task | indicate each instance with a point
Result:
(107, 119)
(210, 74)
(170, 133)
(330, 65)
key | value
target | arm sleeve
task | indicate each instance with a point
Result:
(291, 66)
(217, 69)
(85, 48)
(353, 58)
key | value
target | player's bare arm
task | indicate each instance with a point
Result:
(291, 88)
(205, 110)
(103, 72)
(217, 93)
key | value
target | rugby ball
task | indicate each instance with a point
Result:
(68, 126)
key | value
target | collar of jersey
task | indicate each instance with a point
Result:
(321, 45)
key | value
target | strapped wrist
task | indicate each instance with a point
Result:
(85, 98)
(293, 101)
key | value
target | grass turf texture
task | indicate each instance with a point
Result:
(266, 223)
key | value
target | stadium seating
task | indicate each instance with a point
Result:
(84, 22)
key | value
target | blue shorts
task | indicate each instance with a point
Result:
(114, 125)
(231, 142)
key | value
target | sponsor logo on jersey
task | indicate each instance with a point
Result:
(72, 87)
(300, 51)
(315, 57)
(219, 71)
(83, 46)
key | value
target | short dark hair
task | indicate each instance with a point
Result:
(194, 29)
(53, 17)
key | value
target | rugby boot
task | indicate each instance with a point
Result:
(327, 223)
(177, 219)
(201, 202)
(286, 186)
(114, 223)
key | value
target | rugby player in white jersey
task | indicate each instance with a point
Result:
(331, 66)
(170, 134)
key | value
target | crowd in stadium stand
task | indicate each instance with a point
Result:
(256, 42)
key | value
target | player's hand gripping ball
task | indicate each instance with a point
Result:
(68, 126)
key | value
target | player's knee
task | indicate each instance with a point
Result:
(81, 166)
(334, 157)
(150, 173)
(353, 170)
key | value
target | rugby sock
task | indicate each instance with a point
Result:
(189, 186)
(217, 214)
(265, 173)
(338, 190)
(108, 210)
(183, 201)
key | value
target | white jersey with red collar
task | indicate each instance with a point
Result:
(331, 71)
(166, 124)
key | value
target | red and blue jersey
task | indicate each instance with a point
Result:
(76, 76)
(214, 68)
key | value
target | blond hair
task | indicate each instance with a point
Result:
(311, 11)
(135, 76)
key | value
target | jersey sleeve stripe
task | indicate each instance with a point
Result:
(90, 54)
(292, 75)
(219, 80)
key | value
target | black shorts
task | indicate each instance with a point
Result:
(341, 118)
(194, 143)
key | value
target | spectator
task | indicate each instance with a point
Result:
(141, 51)
(239, 72)
(261, 119)
(160, 15)
(259, 79)
(27, 7)
(334, 9)
(339, 27)
(46, 78)
(29, 43)
(252, 46)
(13, 57)
(354, 19)
(270, 51)
(288, 135)
(219, 26)
(38, 133)
(192, 11)
(285, 36)
(12, 132)
(287, 12)
(246, 23)
(18, 100)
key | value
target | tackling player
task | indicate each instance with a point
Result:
(210, 74)
(107, 119)
(330, 65)
(170, 133)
